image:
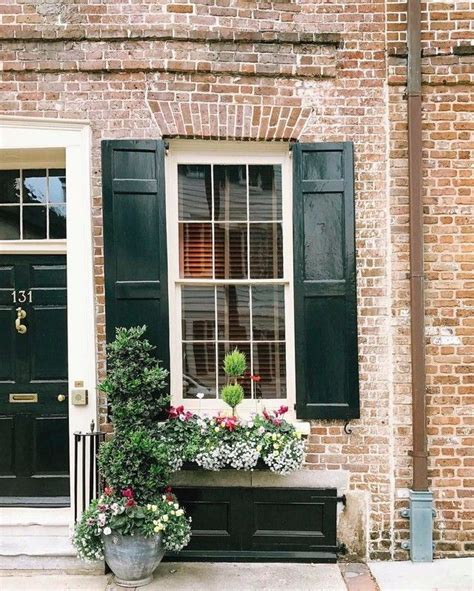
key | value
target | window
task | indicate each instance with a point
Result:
(229, 275)
(33, 204)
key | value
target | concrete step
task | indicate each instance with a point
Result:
(36, 546)
(21, 516)
(67, 564)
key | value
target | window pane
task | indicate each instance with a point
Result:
(34, 222)
(268, 312)
(269, 363)
(57, 221)
(34, 186)
(199, 370)
(266, 251)
(198, 313)
(265, 193)
(195, 250)
(9, 223)
(233, 312)
(57, 185)
(10, 186)
(231, 251)
(225, 348)
(230, 193)
(194, 192)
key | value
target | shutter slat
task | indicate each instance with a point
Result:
(327, 383)
(135, 258)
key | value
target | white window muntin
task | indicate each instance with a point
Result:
(231, 153)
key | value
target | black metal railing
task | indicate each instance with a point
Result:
(87, 481)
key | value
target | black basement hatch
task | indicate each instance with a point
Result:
(260, 524)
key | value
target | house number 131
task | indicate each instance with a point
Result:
(22, 296)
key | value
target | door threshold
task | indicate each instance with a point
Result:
(45, 502)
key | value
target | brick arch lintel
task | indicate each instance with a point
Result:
(229, 121)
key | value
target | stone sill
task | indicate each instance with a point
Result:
(262, 479)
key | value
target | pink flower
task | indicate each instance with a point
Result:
(128, 493)
(266, 415)
(282, 410)
(130, 503)
(108, 491)
(256, 378)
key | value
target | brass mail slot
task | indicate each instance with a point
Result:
(15, 398)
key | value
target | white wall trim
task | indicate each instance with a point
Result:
(75, 138)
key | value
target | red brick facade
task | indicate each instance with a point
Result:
(316, 71)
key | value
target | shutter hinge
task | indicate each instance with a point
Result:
(342, 499)
(166, 144)
(294, 406)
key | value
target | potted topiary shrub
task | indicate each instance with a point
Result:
(137, 517)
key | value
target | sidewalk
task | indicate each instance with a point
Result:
(450, 574)
(456, 574)
(197, 576)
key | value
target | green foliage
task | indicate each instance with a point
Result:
(232, 394)
(136, 459)
(135, 381)
(235, 364)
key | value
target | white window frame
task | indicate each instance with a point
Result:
(223, 152)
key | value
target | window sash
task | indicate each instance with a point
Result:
(207, 152)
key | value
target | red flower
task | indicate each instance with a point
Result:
(266, 415)
(128, 493)
(130, 503)
(282, 410)
(256, 378)
(230, 423)
(108, 491)
(168, 489)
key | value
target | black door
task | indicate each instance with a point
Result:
(34, 458)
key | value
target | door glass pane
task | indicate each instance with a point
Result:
(199, 370)
(34, 222)
(196, 250)
(269, 362)
(57, 221)
(265, 193)
(266, 251)
(198, 313)
(10, 186)
(194, 192)
(230, 193)
(268, 312)
(9, 223)
(230, 251)
(57, 185)
(34, 186)
(233, 312)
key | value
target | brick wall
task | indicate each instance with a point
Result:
(448, 183)
(321, 71)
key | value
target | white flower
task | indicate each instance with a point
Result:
(107, 531)
(250, 424)
(176, 506)
(179, 512)
(165, 518)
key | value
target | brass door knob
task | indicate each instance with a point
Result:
(61, 398)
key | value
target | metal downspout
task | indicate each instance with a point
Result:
(420, 513)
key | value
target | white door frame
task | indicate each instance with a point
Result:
(75, 138)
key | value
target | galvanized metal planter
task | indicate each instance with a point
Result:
(133, 559)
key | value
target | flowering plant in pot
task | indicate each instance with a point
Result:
(131, 537)
(137, 517)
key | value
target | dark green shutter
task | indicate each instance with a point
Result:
(136, 286)
(327, 383)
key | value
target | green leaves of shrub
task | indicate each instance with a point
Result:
(136, 459)
(135, 381)
(235, 364)
(232, 394)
